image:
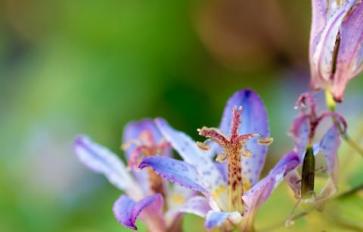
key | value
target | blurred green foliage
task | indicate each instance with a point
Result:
(69, 67)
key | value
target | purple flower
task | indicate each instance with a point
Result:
(144, 190)
(336, 44)
(231, 191)
(304, 130)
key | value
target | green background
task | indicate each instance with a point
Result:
(70, 67)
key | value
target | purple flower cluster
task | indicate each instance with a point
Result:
(227, 191)
(220, 179)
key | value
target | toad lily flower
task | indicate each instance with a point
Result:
(230, 192)
(144, 190)
(304, 130)
(336, 44)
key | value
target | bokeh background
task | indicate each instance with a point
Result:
(70, 67)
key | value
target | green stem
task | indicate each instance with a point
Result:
(351, 191)
(331, 105)
(308, 211)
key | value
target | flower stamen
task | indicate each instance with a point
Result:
(145, 145)
(234, 147)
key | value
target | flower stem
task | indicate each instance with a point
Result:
(331, 105)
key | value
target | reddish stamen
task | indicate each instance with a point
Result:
(234, 147)
(146, 145)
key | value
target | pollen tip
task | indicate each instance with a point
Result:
(221, 157)
(203, 146)
(265, 141)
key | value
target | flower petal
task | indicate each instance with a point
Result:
(329, 145)
(254, 120)
(323, 41)
(127, 211)
(176, 171)
(293, 179)
(102, 160)
(176, 198)
(134, 129)
(287, 163)
(349, 60)
(197, 205)
(208, 173)
(300, 132)
(217, 218)
(135, 134)
(319, 17)
(259, 193)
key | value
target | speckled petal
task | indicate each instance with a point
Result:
(102, 160)
(127, 211)
(175, 171)
(191, 154)
(254, 119)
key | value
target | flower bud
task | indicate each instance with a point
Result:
(336, 44)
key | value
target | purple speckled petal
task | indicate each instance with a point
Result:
(217, 218)
(329, 145)
(349, 60)
(193, 155)
(259, 193)
(127, 211)
(102, 160)
(197, 205)
(175, 171)
(223, 169)
(254, 119)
